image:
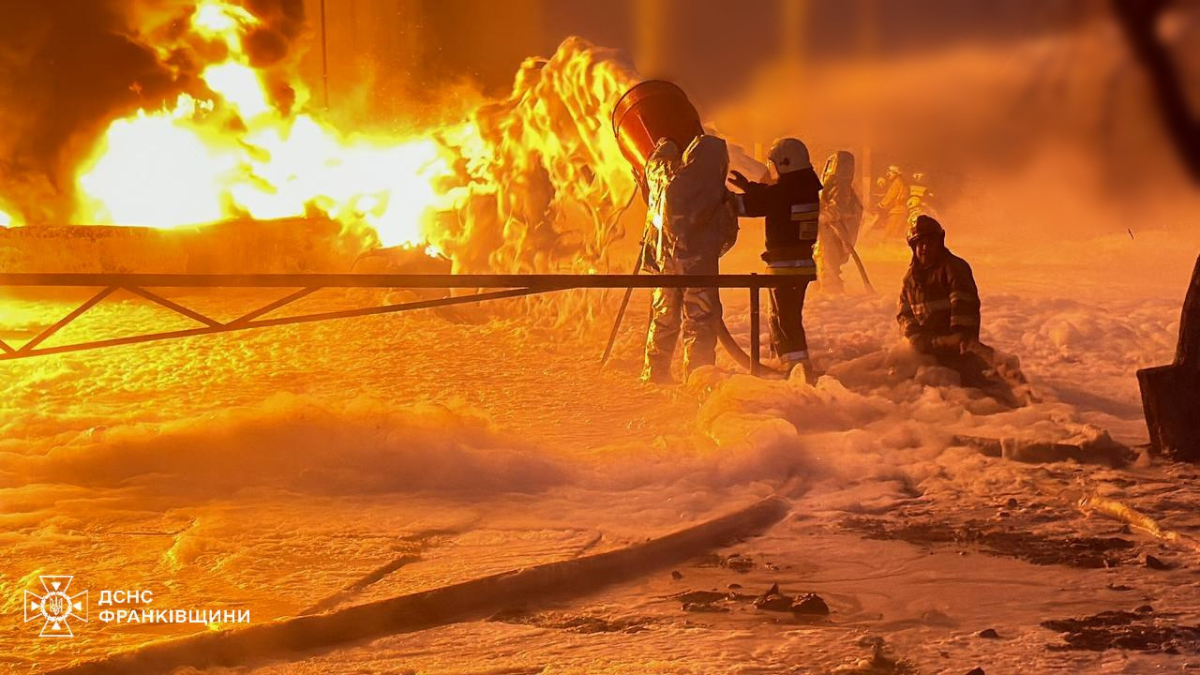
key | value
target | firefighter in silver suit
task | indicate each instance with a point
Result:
(692, 213)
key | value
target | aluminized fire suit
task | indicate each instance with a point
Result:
(694, 221)
(841, 217)
(894, 205)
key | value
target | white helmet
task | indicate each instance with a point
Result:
(788, 155)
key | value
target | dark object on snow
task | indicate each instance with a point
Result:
(1156, 564)
(985, 537)
(739, 563)
(773, 601)
(1171, 394)
(810, 603)
(1125, 630)
(989, 634)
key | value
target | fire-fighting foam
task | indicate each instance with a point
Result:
(363, 459)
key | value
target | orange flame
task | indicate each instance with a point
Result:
(542, 175)
(238, 155)
(530, 183)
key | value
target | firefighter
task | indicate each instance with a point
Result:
(939, 315)
(693, 221)
(791, 206)
(919, 198)
(841, 216)
(894, 204)
(660, 169)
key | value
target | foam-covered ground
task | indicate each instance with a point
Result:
(272, 470)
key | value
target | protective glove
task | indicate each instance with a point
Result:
(739, 181)
(953, 342)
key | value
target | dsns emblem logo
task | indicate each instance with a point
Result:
(56, 607)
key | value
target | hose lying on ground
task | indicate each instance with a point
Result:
(1136, 520)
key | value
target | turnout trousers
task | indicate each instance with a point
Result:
(788, 339)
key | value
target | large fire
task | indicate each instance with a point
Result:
(528, 183)
(239, 154)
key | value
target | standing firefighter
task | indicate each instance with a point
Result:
(660, 169)
(791, 207)
(841, 216)
(694, 224)
(939, 315)
(894, 205)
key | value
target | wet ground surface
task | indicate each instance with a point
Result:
(916, 545)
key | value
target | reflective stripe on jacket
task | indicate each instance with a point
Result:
(791, 207)
(793, 267)
(940, 300)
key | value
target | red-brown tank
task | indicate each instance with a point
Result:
(649, 111)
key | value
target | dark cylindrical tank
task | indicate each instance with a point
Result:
(649, 111)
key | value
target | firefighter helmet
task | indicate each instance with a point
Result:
(923, 228)
(788, 155)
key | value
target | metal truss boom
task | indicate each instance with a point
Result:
(508, 285)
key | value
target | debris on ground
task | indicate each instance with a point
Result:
(810, 603)
(1143, 631)
(1007, 541)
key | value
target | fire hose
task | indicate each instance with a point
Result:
(646, 113)
(862, 270)
(726, 339)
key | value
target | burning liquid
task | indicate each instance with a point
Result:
(530, 183)
(239, 155)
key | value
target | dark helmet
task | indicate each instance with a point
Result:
(925, 227)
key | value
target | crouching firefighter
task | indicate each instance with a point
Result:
(939, 315)
(693, 223)
(791, 207)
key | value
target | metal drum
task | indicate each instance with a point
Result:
(649, 111)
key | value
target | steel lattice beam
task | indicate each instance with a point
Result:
(510, 285)
(540, 282)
